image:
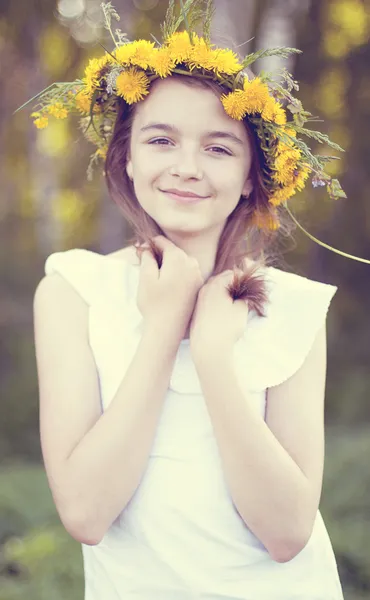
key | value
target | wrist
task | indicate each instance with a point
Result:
(215, 354)
(163, 330)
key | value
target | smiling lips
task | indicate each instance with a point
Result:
(187, 196)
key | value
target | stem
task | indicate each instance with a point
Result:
(112, 35)
(182, 72)
(364, 260)
(186, 22)
(107, 51)
(40, 93)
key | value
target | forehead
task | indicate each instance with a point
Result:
(186, 107)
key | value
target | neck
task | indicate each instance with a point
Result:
(204, 250)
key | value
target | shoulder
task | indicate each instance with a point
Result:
(90, 274)
(288, 288)
(276, 345)
(76, 277)
(297, 306)
(127, 254)
(58, 309)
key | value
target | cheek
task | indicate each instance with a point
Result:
(148, 165)
(229, 177)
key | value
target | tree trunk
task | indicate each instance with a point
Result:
(233, 24)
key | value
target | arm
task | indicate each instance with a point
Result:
(94, 462)
(273, 469)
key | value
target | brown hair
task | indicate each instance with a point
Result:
(240, 237)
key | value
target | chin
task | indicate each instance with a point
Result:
(178, 230)
(180, 221)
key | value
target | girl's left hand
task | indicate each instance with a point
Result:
(218, 321)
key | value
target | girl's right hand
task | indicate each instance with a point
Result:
(167, 294)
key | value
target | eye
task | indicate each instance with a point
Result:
(159, 142)
(220, 150)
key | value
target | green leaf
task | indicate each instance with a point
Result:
(91, 114)
(299, 119)
(44, 91)
(183, 17)
(107, 51)
(210, 10)
(320, 137)
(190, 14)
(295, 107)
(168, 26)
(335, 189)
(280, 51)
(326, 159)
(109, 13)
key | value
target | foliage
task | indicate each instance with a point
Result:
(38, 559)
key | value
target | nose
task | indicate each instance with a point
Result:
(186, 165)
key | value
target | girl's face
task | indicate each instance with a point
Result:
(182, 140)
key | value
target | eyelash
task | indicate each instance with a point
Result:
(224, 151)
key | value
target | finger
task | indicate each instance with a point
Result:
(165, 250)
(149, 265)
(139, 248)
(162, 241)
(223, 277)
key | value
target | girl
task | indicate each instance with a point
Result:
(182, 381)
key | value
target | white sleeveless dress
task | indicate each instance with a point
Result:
(180, 536)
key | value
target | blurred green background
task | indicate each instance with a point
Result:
(47, 205)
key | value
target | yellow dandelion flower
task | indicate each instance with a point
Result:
(256, 94)
(224, 61)
(92, 72)
(288, 160)
(289, 131)
(286, 165)
(102, 152)
(284, 146)
(162, 61)
(106, 60)
(41, 122)
(58, 110)
(282, 194)
(180, 46)
(274, 112)
(286, 178)
(281, 148)
(283, 177)
(125, 52)
(91, 75)
(301, 178)
(201, 56)
(132, 85)
(234, 104)
(83, 102)
(142, 54)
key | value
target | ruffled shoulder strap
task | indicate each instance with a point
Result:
(81, 268)
(274, 347)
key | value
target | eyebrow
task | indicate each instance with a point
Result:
(210, 134)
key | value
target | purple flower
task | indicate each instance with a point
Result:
(316, 181)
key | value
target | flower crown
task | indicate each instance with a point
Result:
(127, 72)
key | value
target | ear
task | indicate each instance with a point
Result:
(247, 188)
(129, 169)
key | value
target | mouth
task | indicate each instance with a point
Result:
(184, 197)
